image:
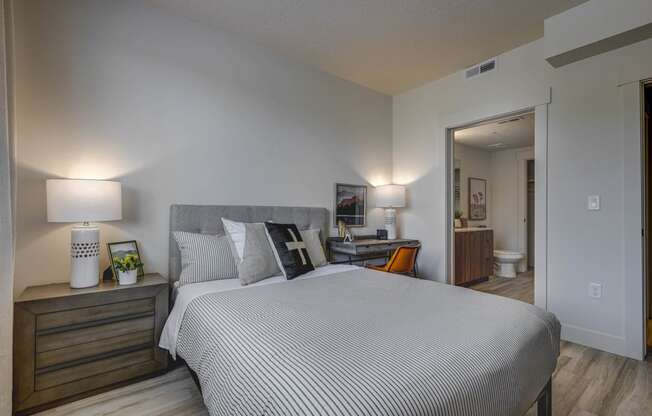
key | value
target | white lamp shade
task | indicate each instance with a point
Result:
(80, 200)
(390, 196)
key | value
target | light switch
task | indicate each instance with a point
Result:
(593, 202)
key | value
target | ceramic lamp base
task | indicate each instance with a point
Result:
(84, 257)
(390, 223)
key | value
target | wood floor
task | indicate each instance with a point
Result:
(520, 288)
(173, 394)
(587, 382)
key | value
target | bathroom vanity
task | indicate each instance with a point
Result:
(474, 255)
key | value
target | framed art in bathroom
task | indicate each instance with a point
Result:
(477, 199)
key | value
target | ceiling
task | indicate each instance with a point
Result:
(386, 45)
(509, 133)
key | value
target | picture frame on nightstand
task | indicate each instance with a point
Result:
(121, 249)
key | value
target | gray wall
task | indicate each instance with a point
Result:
(179, 113)
(585, 157)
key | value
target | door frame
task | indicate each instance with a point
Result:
(634, 342)
(522, 157)
(541, 191)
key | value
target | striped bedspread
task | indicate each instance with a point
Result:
(367, 343)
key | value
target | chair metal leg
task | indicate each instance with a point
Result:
(544, 403)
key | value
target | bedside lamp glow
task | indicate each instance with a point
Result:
(84, 201)
(390, 197)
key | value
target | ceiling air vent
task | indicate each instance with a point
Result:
(480, 69)
(473, 71)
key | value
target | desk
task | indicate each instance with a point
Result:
(364, 248)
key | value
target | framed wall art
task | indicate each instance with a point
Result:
(477, 199)
(350, 205)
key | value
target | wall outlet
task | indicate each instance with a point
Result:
(595, 290)
(593, 203)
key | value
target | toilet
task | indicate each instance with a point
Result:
(505, 262)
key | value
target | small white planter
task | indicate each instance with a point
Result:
(128, 278)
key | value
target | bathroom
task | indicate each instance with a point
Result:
(493, 194)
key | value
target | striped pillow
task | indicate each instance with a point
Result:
(204, 257)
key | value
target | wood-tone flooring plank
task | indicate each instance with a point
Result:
(174, 393)
(520, 288)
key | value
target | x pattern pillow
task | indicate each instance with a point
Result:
(289, 249)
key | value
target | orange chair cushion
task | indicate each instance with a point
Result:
(402, 261)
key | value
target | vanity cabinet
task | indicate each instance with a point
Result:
(474, 255)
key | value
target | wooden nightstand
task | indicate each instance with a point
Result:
(72, 343)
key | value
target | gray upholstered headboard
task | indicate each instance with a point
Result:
(206, 219)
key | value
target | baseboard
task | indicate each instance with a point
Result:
(596, 339)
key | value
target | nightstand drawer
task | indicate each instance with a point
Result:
(91, 349)
(55, 378)
(77, 389)
(65, 339)
(94, 313)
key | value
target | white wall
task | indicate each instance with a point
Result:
(475, 163)
(179, 113)
(505, 218)
(585, 156)
(500, 169)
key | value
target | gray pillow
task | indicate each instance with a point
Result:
(204, 257)
(314, 247)
(251, 250)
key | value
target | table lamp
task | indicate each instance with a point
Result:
(84, 201)
(390, 197)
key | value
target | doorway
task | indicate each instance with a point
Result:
(647, 180)
(493, 194)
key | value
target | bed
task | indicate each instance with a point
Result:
(345, 340)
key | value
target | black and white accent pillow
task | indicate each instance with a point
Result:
(289, 249)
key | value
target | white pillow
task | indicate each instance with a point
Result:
(254, 257)
(314, 247)
(237, 232)
(204, 257)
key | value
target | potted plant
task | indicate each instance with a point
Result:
(127, 268)
(458, 222)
